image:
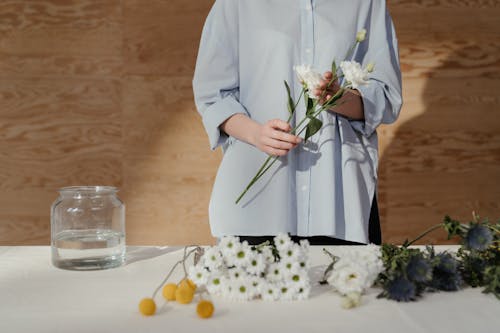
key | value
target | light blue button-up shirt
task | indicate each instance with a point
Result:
(322, 187)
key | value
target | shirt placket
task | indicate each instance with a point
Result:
(304, 177)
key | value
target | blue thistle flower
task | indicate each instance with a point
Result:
(419, 269)
(401, 289)
(478, 237)
(446, 263)
(446, 275)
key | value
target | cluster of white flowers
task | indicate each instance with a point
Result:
(356, 269)
(238, 271)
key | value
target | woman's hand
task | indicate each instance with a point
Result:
(272, 138)
(330, 92)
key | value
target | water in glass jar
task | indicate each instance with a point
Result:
(88, 249)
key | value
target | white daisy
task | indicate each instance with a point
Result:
(216, 283)
(275, 272)
(256, 263)
(241, 290)
(291, 252)
(198, 274)
(228, 245)
(212, 258)
(269, 291)
(268, 255)
(282, 241)
(242, 255)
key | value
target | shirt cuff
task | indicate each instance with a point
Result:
(215, 115)
(374, 102)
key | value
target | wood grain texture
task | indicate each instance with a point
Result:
(99, 92)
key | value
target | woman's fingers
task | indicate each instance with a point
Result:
(280, 124)
(274, 143)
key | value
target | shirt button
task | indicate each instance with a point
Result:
(308, 7)
(308, 50)
(303, 188)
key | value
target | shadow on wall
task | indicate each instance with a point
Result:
(445, 160)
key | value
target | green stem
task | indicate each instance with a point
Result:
(426, 232)
(493, 228)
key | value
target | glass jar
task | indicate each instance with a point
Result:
(88, 228)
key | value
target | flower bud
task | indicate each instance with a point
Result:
(361, 35)
(370, 67)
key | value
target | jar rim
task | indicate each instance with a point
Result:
(98, 189)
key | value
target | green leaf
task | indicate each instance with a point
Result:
(291, 104)
(313, 126)
(334, 68)
(309, 106)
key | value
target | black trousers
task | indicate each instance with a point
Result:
(374, 233)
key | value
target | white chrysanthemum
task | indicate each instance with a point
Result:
(216, 283)
(292, 252)
(228, 246)
(287, 292)
(282, 242)
(242, 255)
(242, 290)
(354, 74)
(275, 272)
(348, 276)
(270, 291)
(300, 278)
(256, 263)
(212, 258)
(305, 246)
(267, 253)
(309, 77)
(198, 274)
(237, 273)
(289, 268)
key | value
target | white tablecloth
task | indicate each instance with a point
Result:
(37, 297)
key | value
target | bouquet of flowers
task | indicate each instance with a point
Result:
(238, 271)
(406, 273)
(354, 75)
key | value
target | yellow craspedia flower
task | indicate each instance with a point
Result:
(147, 306)
(187, 283)
(184, 294)
(205, 309)
(169, 291)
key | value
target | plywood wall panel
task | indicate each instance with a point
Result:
(96, 91)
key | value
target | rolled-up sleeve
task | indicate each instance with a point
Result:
(216, 76)
(382, 98)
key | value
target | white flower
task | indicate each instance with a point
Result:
(361, 35)
(216, 283)
(275, 272)
(212, 258)
(370, 67)
(269, 291)
(291, 252)
(242, 255)
(354, 74)
(348, 276)
(286, 292)
(228, 245)
(241, 290)
(351, 300)
(237, 273)
(282, 242)
(198, 274)
(309, 77)
(256, 263)
(267, 253)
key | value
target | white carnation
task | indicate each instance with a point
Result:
(354, 74)
(348, 276)
(309, 77)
